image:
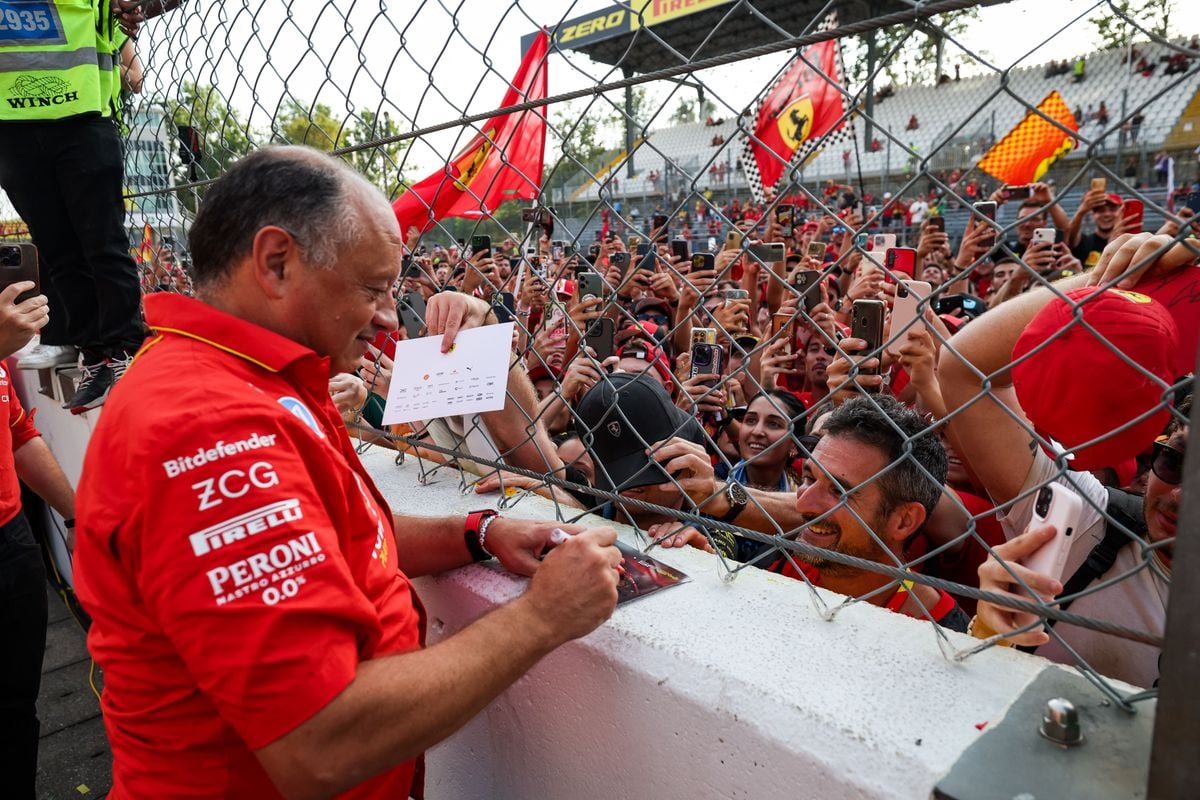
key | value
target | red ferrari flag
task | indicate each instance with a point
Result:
(503, 161)
(799, 112)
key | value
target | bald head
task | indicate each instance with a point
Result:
(320, 201)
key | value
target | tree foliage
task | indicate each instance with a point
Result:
(907, 55)
(691, 110)
(1112, 31)
(224, 137)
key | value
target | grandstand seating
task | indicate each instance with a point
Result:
(991, 103)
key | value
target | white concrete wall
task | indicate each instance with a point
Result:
(709, 689)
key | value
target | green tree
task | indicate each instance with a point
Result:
(908, 55)
(380, 163)
(314, 126)
(691, 110)
(1112, 31)
(223, 136)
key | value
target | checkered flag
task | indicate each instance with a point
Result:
(802, 112)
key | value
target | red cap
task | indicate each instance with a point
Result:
(1114, 200)
(1078, 387)
(541, 371)
(643, 349)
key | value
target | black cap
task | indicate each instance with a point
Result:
(619, 418)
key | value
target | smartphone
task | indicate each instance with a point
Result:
(807, 283)
(785, 216)
(703, 261)
(19, 262)
(558, 249)
(900, 261)
(590, 284)
(658, 227)
(1043, 236)
(621, 261)
(409, 268)
(645, 257)
(1018, 192)
(860, 240)
(594, 252)
(906, 309)
(1099, 184)
(987, 209)
(1058, 506)
(952, 303)
(866, 323)
(707, 359)
(881, 242)
(769, 252)
(782, 327)
(1193, 202)
(816, 250)
(506, 308)
(937, 223)
(735, 294)
(481, 244)
(1133, 211)
(634, 241)
(733, 239)
(411, 308)
(529, 215)
(679, 249)
(601, 336)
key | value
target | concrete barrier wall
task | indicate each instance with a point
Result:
(709, 689)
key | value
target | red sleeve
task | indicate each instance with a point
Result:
(240, 565)
(20, 422)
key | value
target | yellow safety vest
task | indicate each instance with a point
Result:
(57, 59)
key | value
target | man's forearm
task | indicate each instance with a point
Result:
(768, 512)
(399, 706)
(36, 466)
(429, 545)
(515, 429)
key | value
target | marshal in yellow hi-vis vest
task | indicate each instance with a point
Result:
(57, 59)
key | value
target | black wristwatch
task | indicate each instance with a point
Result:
(738, 499)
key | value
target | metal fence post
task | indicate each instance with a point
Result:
(1177, 719)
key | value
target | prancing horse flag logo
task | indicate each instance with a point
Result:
(796, 121)
(614, 428)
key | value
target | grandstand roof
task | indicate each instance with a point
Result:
(686, 30)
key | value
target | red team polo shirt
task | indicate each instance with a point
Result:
(17, 428)
(236, 559)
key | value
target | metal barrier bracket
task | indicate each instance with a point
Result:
(1014, 761)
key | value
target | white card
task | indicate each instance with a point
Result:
(471, 378)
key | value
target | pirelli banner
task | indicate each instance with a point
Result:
(618, 20)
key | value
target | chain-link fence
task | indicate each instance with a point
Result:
(827, 293)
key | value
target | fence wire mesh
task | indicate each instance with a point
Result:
(884, 355)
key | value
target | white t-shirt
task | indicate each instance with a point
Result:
(1139, 601)
(918, 210)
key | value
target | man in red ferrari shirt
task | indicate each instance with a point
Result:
(249, 587)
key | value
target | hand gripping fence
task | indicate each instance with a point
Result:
(700, 134)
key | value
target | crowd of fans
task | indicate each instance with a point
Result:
(794, 426)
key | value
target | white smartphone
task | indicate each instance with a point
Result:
(882, 243)
(905, 309)
(1054, 505)
(1043, 235)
